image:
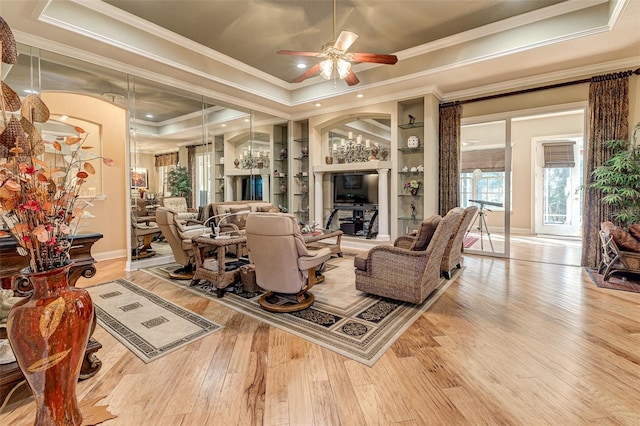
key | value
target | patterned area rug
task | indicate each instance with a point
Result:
(615, 282)
(342, 319)
(148, 325)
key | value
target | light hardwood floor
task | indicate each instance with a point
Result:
(511, 342)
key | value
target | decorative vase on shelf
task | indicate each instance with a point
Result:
(305, 151)
(304, 188)
(328, 159)
(48, 333)
(414, 191)
(283, 153)
(283, 189)
(413, 142)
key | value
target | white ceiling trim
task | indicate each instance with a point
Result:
(501, 26)
(158, 31)
(115, 65)
(556, 76)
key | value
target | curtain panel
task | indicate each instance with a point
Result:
(608, 119)
(449, 136)
(191, 167)
(170, 159)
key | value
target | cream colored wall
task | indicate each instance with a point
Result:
(110, 219)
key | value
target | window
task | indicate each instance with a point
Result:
(482, 186)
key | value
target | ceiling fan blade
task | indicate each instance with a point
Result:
(296, 53)
(375, 58)
(311, 71)
(345, 40)
(351, 79)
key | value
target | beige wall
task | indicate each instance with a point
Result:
(109, 213)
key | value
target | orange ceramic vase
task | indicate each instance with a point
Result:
(48, 333)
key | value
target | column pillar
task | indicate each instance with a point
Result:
(317, 198)
(228, 188)
(383, 205)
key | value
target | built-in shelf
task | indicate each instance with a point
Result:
(352, 167)
(411, 126)
(407, 150)
(410, 173)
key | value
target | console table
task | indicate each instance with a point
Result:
(11, 263)
(356, 208)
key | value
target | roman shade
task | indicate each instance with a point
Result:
(487, 160)
(558, 154)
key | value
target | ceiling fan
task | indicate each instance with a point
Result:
(336, 61)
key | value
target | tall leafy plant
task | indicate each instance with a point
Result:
(619, 180)
(179, 182)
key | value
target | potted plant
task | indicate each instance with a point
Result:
(179, 182)
(619, 180)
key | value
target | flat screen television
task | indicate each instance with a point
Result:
(355, 188)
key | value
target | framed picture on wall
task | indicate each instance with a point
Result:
(139, 178)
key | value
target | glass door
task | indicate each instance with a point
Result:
(485, 182)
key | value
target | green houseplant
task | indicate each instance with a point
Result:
(179, 182)
(619, 180)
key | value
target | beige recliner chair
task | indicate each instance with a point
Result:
(284, 265)
(179, 237)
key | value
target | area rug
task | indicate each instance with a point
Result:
(148, 325)
(615, 282)
(342, 319)
(470, 240)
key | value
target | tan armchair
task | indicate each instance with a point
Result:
(284, 265)
(179, 235)
(407, 273)
(179, 206)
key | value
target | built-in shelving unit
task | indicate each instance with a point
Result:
(280, 166)
(410, 164)
(299, 154)
(218, 159)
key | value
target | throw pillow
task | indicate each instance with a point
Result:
(268, 209)
(240, 220)
(425, 233)
(635, 230)
(622, 238)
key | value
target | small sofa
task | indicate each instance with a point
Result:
(237, 223)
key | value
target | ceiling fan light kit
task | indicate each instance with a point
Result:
(336, 63)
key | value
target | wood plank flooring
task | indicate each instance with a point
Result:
(511, 342)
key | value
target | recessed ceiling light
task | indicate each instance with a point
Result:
(224, 125)
(359, 95)
(64, 117)
(149, 115)
(301, 65)
(246, 120)
(318, 104)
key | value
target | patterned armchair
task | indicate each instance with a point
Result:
(179, 206)
(410, 270)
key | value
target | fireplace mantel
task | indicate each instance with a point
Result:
(381, 167)
(352, 167)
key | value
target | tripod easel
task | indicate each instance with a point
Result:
(481, 224)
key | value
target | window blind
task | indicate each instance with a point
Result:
(558, 154)
(487, 160)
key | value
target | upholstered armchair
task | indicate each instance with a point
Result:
(179, 206)
(404, 272)
(284, 265)
(179, 235)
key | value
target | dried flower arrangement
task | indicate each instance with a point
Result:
(39, 201)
